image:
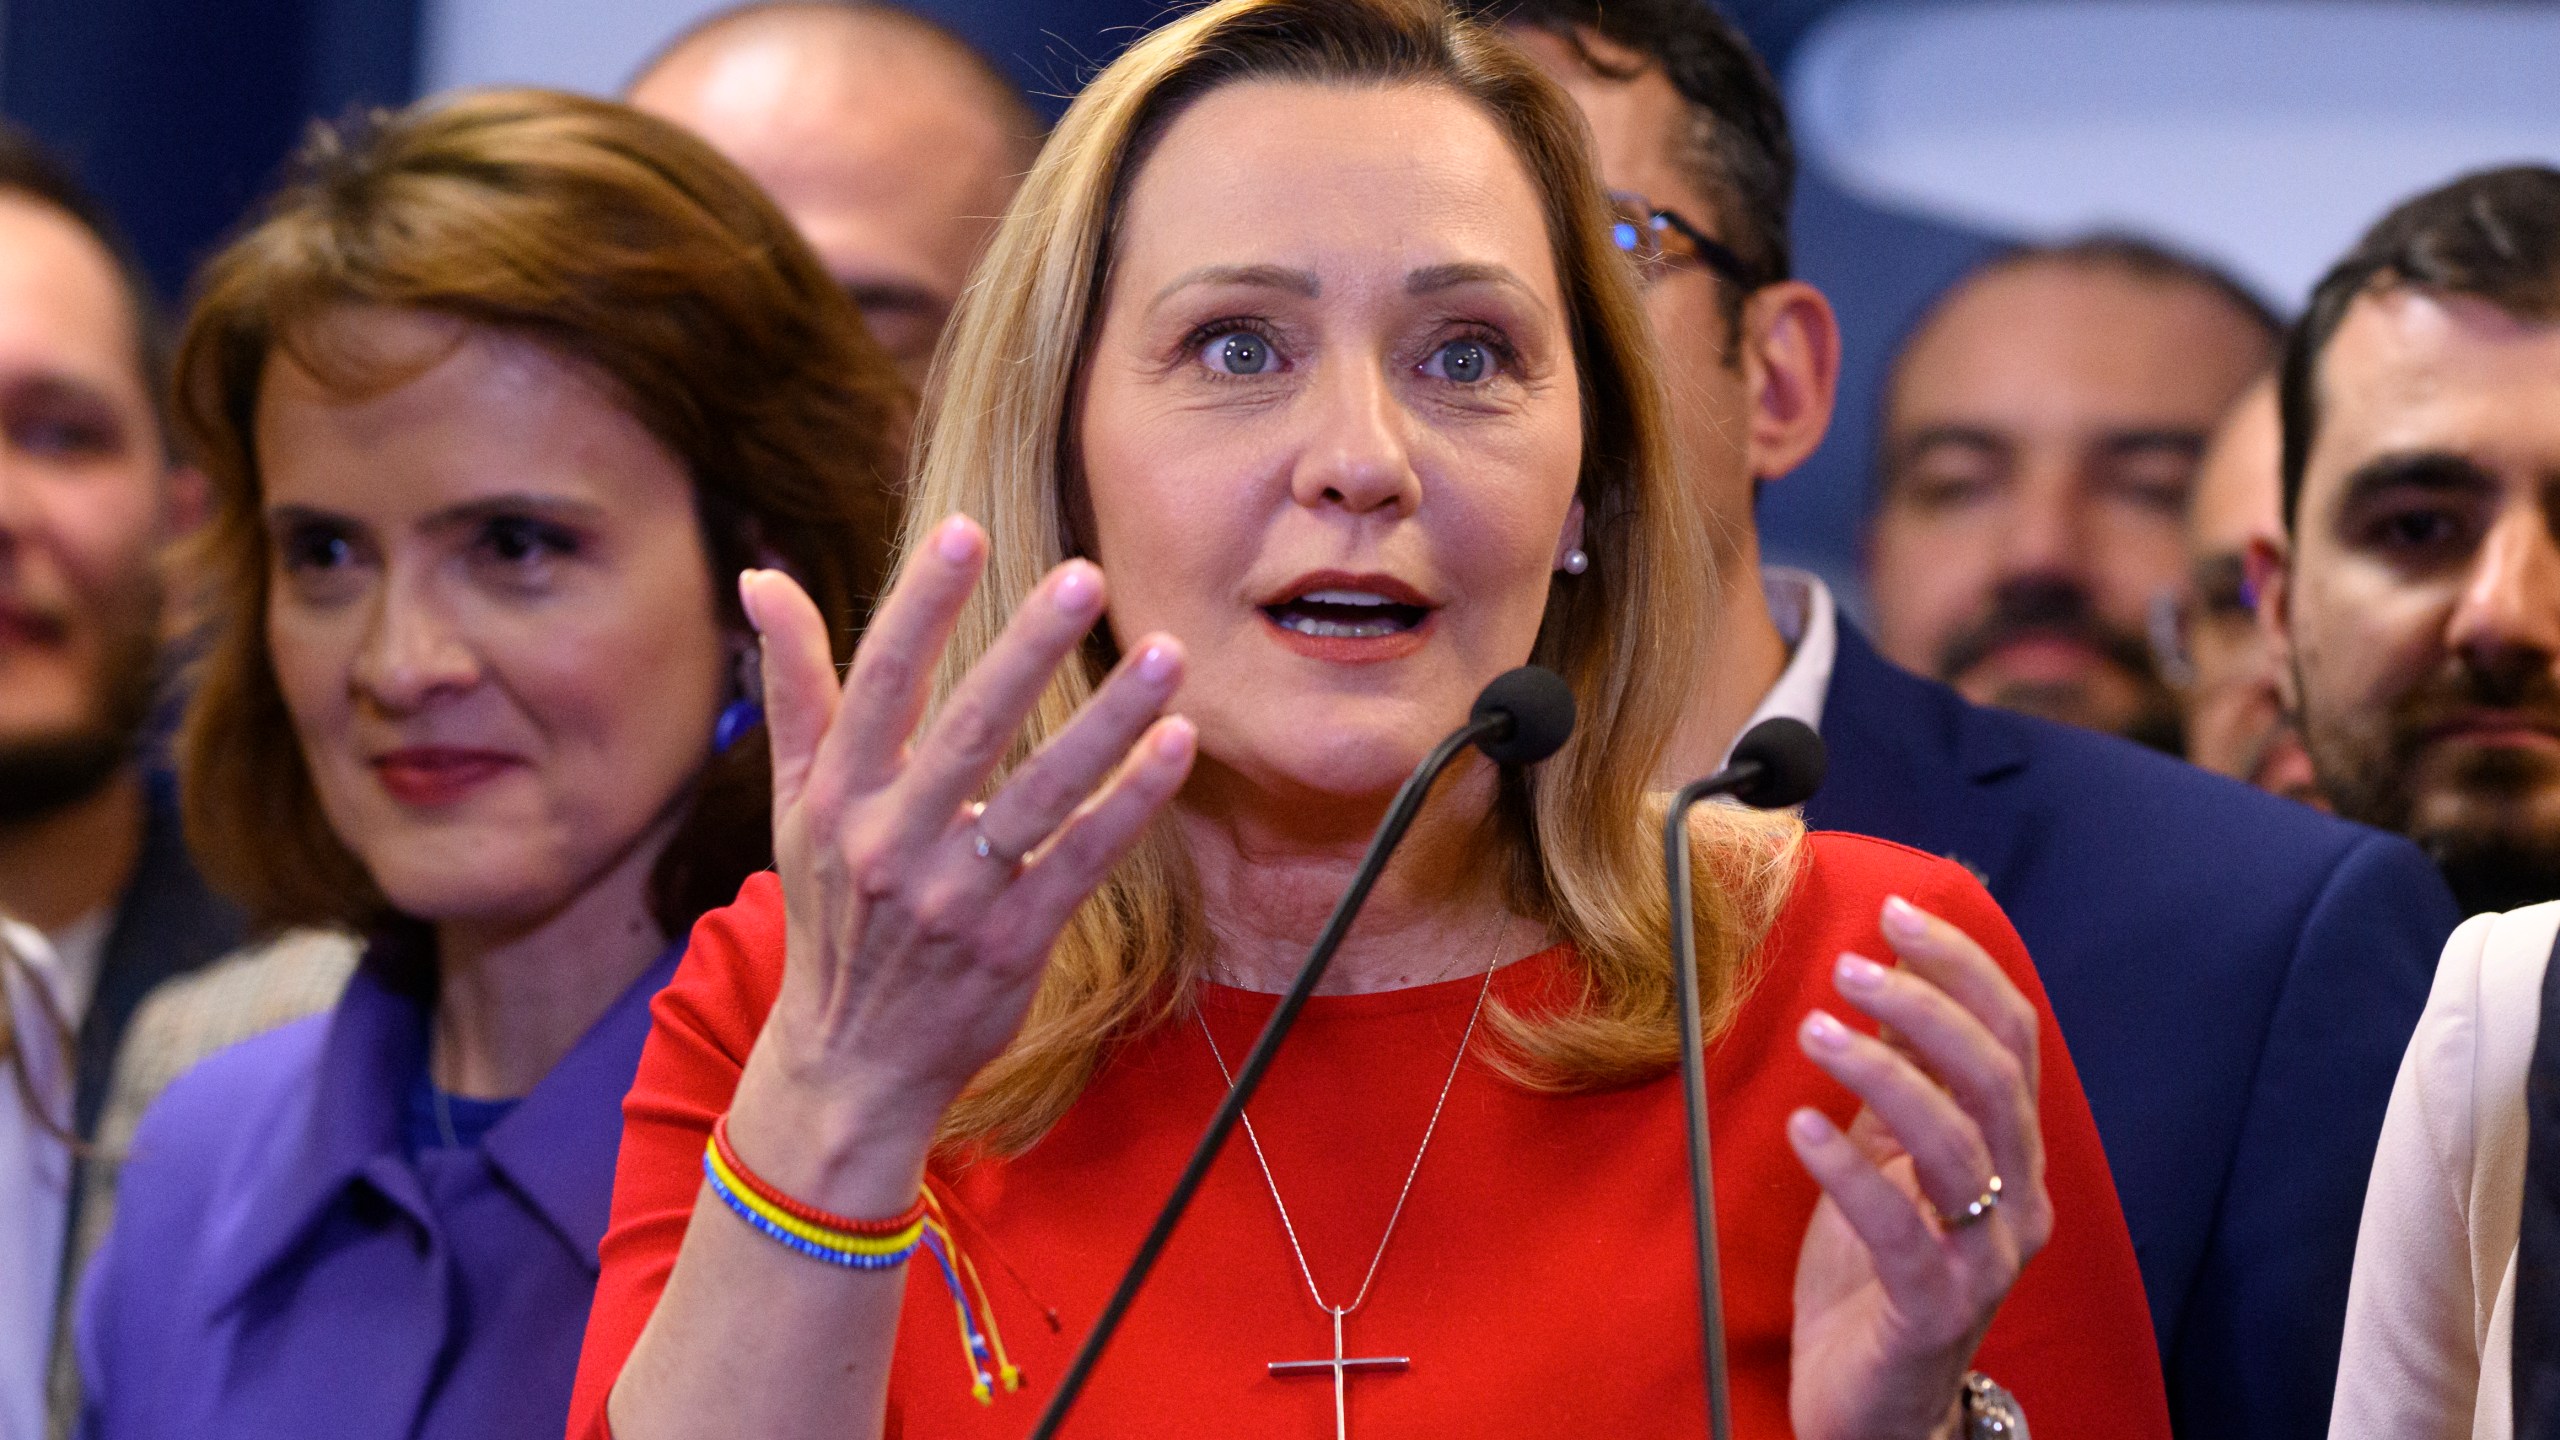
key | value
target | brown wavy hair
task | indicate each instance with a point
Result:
(617, 240)
(1578, 840)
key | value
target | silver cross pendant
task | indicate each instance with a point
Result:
(1341, 1368)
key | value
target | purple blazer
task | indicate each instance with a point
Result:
(281, 1268)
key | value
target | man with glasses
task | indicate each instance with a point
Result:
(2227, 674)
(2236, 976)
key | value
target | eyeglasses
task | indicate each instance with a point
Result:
(1661, 241)
(2214, 621)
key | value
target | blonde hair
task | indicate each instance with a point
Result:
(1577, 837)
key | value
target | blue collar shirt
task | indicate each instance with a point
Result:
(283, 1267)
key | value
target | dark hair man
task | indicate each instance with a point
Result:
(2236, 975)
(2417, 606)
(2042, 427)
(887, 140)
(93, 870)
(89, 851)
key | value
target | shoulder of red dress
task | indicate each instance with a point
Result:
(1872, 860)
(732, 963)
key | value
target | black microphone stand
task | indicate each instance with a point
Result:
(1770, 769)
(1693, 1093)
(1400, 814)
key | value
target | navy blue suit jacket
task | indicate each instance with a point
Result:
(2236, 976)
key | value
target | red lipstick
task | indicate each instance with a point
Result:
(432, 775)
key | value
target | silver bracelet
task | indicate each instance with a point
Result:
(1990, 1412)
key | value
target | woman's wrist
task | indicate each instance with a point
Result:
(855, 1147)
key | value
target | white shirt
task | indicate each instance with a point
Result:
(35, 1166)
(1810, 624)
(2431, 1311)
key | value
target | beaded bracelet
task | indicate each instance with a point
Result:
(852, 1251)
(774, 1199)
(869, 1245)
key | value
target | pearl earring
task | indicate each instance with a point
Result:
(1575, 562)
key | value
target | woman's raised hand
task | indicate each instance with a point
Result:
(919, 925)
(1911, 1250)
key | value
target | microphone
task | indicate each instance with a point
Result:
(1779, 762)
(1521, 718)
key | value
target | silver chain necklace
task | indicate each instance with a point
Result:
(1341, 1367)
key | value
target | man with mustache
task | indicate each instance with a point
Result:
(2416, 604)
(2042, 428)
(2236, 976)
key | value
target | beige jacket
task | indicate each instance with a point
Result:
(2431, 1311)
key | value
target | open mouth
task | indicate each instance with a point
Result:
(1340, 614)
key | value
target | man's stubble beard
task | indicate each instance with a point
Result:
(45, 772)
(2477, 823)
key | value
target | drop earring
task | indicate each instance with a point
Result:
(1575, 562)
(741, 716)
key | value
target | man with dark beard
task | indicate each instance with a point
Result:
(2042, 430)
(90, 855)
(2236, 976)
(2416, 604)
(98, 899)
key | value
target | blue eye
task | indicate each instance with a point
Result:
(314, 547)
(1238, 352)
(1463, 361)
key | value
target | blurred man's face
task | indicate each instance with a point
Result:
(2421, 607)
(2041, 438)
(1635, 115)
(885, 153)
(2236, 721)
(80, 497)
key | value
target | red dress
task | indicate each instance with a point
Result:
(1541, 1276)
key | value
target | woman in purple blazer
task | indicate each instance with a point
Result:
(496, 401)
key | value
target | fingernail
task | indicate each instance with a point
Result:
(1860, 974)
(1078, 584)
(1807, 1125)
(956, 541)
(1903, 920)
(1174, 737)
(1157, 662)
(747, 599)
(1825, 1032)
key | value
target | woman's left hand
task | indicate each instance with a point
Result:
(1897, 1284)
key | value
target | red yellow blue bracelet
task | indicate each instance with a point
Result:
(771, 1199)
(869, 1245)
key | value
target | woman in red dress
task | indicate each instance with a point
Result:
(1308, 330)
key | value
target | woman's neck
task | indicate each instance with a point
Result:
(513, 996)
(1271, 873)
